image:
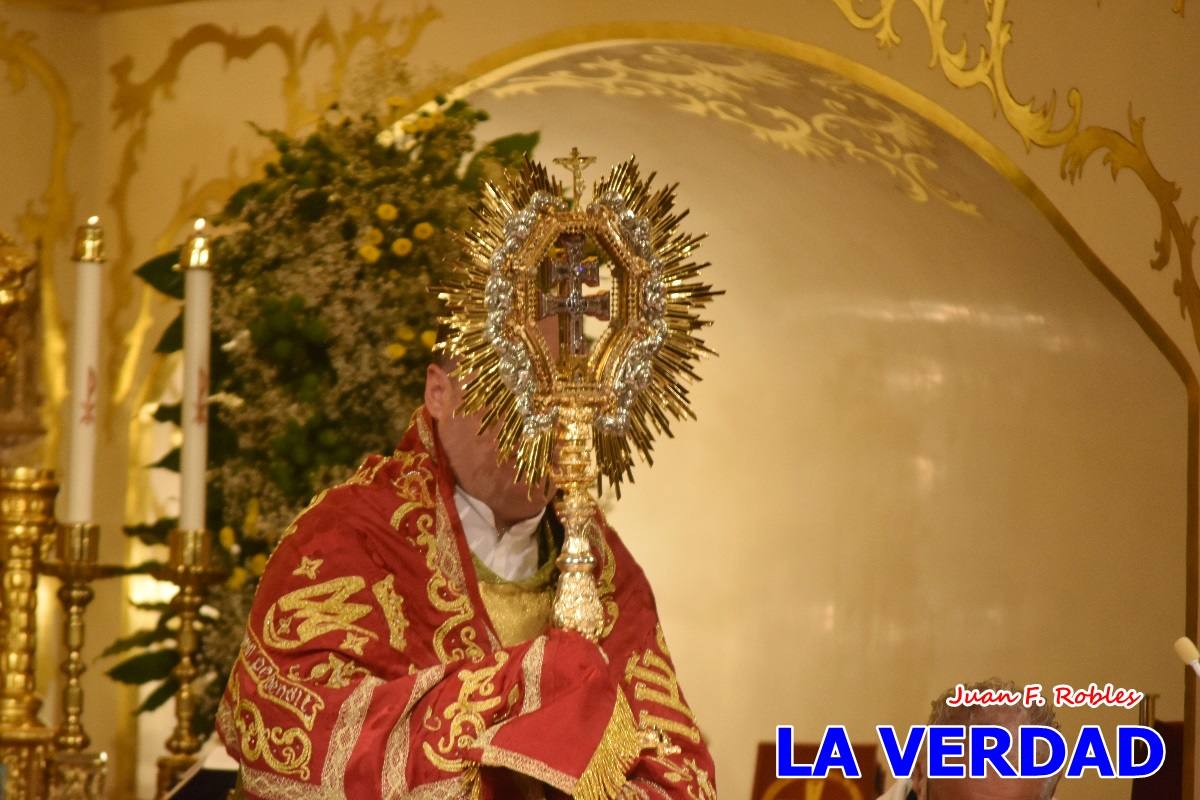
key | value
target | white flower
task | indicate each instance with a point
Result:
(237, 342)
(385, 138)
(230, 401)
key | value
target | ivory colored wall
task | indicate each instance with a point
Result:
(849, 546)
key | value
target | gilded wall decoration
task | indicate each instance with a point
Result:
(134, 105)
(135, 102)
(849, 121)
(1035, 125)
(46, 221)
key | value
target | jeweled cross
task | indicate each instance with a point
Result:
(577, 164)
(571, 272)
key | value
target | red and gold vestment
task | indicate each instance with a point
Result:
(371, 667)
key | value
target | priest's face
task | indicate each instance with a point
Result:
(473, 455)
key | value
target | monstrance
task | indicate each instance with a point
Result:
(577, 415)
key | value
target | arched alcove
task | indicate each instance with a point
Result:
(942, 442)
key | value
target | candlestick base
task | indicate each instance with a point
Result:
(77, 776)
(189, 567)
(23, 754)
(170, 770)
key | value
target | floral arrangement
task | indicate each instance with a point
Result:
(323, 324)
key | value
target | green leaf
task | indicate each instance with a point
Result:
(165, 691)
(151, 606)
(153, 533)
(161, 274)
(169, 461)
(151, 566)
(172, 338)
(138, 639)
(169, 412)
(145, 667)
(507, 152)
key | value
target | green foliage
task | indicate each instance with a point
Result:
(152, 665)
(322, 328)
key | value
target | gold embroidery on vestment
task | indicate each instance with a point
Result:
(336, 673)
(286, 751)
(308, 567)
(353, 643)
(416, 490)
(395, 760)
(605, 584)
(654, 681)
(531, 671)
(322, 608)
(273, 686)
(476, 696)
(392, 606)
(342, 739)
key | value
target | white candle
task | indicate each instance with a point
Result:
(85, 371)
(197, 307)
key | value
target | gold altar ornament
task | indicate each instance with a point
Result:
(15, 267)
(89, 242)
(26, 531)
(196, 250)
(575, 417)
(191, 567)
(74, 772)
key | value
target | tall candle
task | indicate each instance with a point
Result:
(85, 371)
(197, 308)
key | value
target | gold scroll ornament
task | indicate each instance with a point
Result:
(588, 404)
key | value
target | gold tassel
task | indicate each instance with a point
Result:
(618, 749)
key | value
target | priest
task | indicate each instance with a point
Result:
(400, 645)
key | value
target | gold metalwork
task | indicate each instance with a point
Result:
(745, 91)
(49, 221)
(196, 251)
(75, 774)
(135, 103)
(576, 163)
(89, 242)
(391, 603)
(26, 527)
(190, 567)
(1035, 125)
(480, 70)
(15, 268)
(586, 406)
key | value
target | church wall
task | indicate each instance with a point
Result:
(161, 136)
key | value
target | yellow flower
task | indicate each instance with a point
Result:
(226, 537)
(386, 212)
(257, 564)
(373, 236)
(395, 351)
(397, 100)
(238, 578)
(370, 253)
(429, 338)
(422, 231)
(405, 333)
(250, 523)
(423, 124)
(402, 246)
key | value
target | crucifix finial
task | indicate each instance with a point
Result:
(577, 163)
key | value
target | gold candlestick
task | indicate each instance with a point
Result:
(89, 242)
(74, 773)
(190, 568)
(26, 525)
(573, 412)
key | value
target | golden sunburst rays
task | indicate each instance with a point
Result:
(528, 240)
